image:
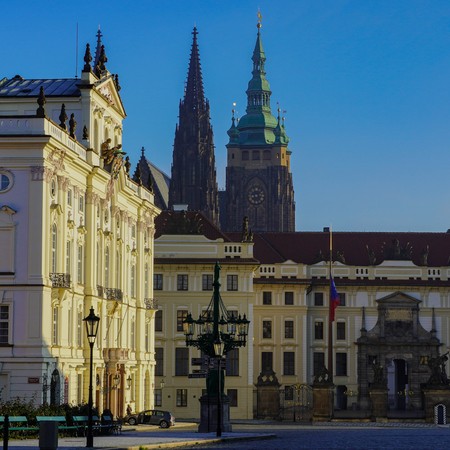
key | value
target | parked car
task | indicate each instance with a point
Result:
(152, 417)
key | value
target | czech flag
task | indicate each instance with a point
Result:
(334, 299)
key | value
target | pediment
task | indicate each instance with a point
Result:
(399, 299)
(107, 88)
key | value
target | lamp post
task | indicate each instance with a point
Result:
(215, 333)
(92, 322)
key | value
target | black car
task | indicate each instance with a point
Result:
(152, 417)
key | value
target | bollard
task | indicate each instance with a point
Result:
(48, 435)
(6, 432)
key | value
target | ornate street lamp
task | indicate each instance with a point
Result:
(92, 322)
(215, 333)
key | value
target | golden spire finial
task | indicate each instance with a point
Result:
(259, 24)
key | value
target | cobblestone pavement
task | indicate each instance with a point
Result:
(283, 436)
(343, 436)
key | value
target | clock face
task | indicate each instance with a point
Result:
(255, 195)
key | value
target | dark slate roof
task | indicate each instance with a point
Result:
(160, 180)
(352, 248)
(187, 222)
(18, 87)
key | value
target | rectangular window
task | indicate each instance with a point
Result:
(159, 320)
(341, 298)
(80, 265)
(55, 326)
(68, 257)
(288, 363)
(181, 397)
(318, 330)
(267, 329)
(341, 364)
(267, 298)
(182, 282)
(340, 331)
(133, 334)
(288, 298)
(181, 362)
(289, 329)
(232, 282)
(158, 281)
(4, 324)
(147, 337)
(81, 203)
(80, 329)
(158, 397)
(207, 282)
(69, 197)
(318, 298)
(181, 315)
(232, 363)
(133, 281)
(233, 396)
(266, 361)
(318, 362)
(159, 361)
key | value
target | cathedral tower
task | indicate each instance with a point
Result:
(258, 176)
(193, 182)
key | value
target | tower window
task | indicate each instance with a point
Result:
(255, 155)
(245, 155)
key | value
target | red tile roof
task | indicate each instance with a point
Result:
(431, 249)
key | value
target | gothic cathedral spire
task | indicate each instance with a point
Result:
(193, 183)
(258, 178)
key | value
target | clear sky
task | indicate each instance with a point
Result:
(365, 83)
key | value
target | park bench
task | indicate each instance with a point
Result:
(17, 423)
(108, 425)
(62, 423)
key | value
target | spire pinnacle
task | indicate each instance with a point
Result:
(194, 97)
(98, 47)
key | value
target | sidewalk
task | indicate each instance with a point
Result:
(145, 437)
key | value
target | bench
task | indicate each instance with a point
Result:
(108, 425)
(16, 423)
(81, 422)
(62, 424)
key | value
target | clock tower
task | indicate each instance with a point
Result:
(258, 176)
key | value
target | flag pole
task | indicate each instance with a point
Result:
(330, 323)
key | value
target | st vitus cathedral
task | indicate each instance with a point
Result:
(193, 183)
(258, 177)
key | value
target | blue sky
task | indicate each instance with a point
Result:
(366, 87)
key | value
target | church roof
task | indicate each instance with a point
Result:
(19, 87)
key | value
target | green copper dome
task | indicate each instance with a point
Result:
(257, 126)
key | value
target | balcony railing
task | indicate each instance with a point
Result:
(151, 303)
(113, 294)
(60, 280)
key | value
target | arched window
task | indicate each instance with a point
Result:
(54, 248)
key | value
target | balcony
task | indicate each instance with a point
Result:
(60, 280)
(151, 303)
(113, 294)
(115, 355)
